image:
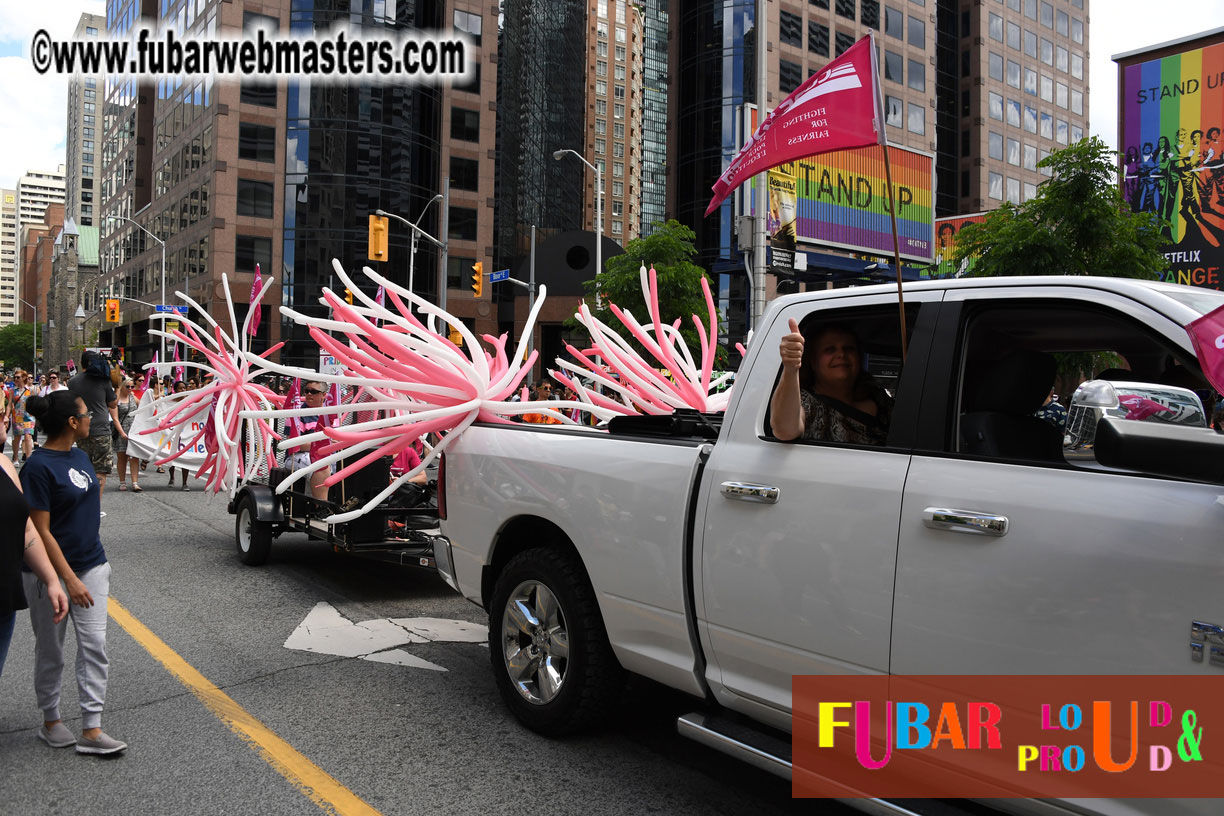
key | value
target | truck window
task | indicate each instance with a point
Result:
(841, 386)
(1022, 361)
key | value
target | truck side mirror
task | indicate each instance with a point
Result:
(1095, 400)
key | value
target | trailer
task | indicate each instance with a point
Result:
(401, 530)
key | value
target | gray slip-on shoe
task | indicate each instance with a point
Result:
(102, 745)
(57, 736)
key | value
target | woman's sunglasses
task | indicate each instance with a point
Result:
(313, 391)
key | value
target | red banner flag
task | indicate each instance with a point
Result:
(1207, 335)
(179, 373)
(836, 109)
(256, 286)
(144, 386)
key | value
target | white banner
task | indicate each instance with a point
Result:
(162, 443)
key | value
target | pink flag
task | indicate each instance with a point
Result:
(144, 386)
(256, 287)
(835, 109)
(1207, 335)
(1141, 408)
(178, 370)
(294, 400)
(380, 296)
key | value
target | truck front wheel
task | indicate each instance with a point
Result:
(550, 653)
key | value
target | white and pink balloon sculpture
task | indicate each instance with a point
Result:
(228, 462)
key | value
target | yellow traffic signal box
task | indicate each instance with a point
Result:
(112, 310)
(378, 238)
(478, 278)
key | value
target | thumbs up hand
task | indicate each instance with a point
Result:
(791, 348)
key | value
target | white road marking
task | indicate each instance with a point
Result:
(326, 631)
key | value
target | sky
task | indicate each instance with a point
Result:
(35, 107)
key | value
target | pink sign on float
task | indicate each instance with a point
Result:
(836, 109)
(1207, 335)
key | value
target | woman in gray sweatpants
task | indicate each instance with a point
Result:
(64, 496)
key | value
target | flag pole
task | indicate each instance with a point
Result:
(888, 182)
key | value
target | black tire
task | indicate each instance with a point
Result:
(590, 678)
(252, 536)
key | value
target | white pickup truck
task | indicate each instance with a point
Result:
(720, 561)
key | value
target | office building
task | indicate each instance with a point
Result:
(655, 126)
(614, 87)
(82, 144)
(38, 193)
(285, 175)
(8, 257)
(984, 89)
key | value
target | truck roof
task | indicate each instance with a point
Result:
(1172, 299)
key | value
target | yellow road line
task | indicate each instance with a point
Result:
(315, 783)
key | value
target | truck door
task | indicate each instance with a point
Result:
(1097, 572)
(797, 544)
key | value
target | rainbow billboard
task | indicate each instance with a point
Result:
(840, 200)
(1172, 154)
(946, 230)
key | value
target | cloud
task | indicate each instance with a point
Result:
(32, 130)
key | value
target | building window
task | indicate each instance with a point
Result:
(1013, 74)
(601, 107)
(1047, 51)
(462, 226)
(1013, 152)
(894, 67)
(996, 186)
(1030, 119)
(1013, 113)
(618, 169)
(618, 131)
(1030, 44)
(618, 188)
(255, 198)
(1060, 95)
(599, 147)
(465, 124)
(842, 42)
(1030, 157)
(601, 87)
(869, 14)
(618, 92)
(917, 75)
(1047, 15)
(894, 22)
(1030, 82)
(996, 27)
(1060, 132)
(601, 127)
(257, 142)
(618, 150)
(917, 32)
(995, 107)
(790, 76)
(916, 119)
(1062, 24)
(894, 115)
(1047, 88)
(824, 4)
(458, 271)
(818, 38)
(996, 146)
(250, 250)
(1013, 36)
(464, 173)
(617, 227)
(469, 24)
(601, 68)
(1077, 103)
(995, 62)
(1077, 133)
(1046, 129)
(1013, 190)
(618, 208)
(1077, 65)
(620, 73)
(845, 8)
(1061, 63)
(790, 29)
(601, 48)
(1030, 9)
(1077, 30)
(618, 111)
(620, 53)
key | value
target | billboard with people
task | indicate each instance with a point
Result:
(946, 230)
(1172, 154)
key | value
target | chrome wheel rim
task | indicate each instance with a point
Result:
(244, 529)
(535, 642)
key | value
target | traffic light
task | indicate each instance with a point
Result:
(478, 278)
(378, 238)
(112, 310)
(348, 296)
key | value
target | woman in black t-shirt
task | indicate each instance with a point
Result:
(20, 541)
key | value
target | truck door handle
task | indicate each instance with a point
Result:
(751, 492)
(964, 521)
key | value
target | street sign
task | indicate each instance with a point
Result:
(499, 275)
(175, 309)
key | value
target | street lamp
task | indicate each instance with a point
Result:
(162, 356)
(558, 154)
(416, 232)
(34, 357)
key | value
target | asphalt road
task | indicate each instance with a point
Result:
(403, 740)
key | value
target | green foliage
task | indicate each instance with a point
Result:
(1077, 224)
(669, 249)
(17, 346)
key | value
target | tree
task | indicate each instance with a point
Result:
(1077, 224)
(669, 249)
(17, 346)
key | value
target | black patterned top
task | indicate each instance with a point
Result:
(830, 420)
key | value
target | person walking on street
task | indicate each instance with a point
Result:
(126, 407)
(19, 541)
(64, 496)
(92, 384)
(22, 423)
